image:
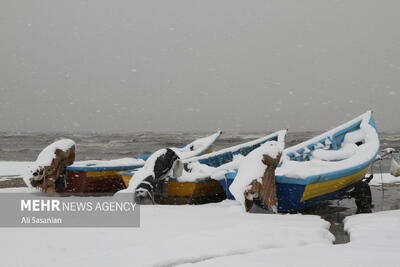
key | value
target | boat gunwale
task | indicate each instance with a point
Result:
(319, 138)
(280, 138)
(279, 135)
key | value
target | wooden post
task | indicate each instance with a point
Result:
(268, 195)
(47, 176)
(265, 191)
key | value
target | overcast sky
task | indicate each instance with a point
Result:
(243, 66)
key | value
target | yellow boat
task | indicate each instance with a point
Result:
(204, 190)
(96, 176)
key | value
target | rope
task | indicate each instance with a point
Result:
(383, 192)
(44, 182)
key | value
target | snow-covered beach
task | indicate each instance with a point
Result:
(199, 133)
(208, 235)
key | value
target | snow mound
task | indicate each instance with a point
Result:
(345, 152)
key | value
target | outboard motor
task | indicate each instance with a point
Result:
(162, 166)
(48, 172)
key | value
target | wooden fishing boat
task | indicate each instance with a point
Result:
(200, 187)
(325, 167)
(97, 176)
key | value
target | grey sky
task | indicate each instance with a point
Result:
(197, 65)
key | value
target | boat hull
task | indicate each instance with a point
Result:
(93, 182)
(207, 190)
(103, 177)
(302, 182)
(293, 197)
(172, 192)
(179, 193)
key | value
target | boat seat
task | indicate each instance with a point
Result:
(345, 152)
(330, 148)
(348, 147)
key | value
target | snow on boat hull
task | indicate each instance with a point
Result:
(205, 190)
(296, 193)
(104, 176)
(300, 184)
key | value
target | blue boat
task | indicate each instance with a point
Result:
(197, 189)
(225, 156)
(324, 167)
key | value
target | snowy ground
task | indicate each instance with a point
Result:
(375, 239)
(385, 178)
(168, 236)
(13, 168)
(206, 235)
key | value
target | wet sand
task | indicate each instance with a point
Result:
(11, 181)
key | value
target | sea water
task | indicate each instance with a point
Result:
(16, 146)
